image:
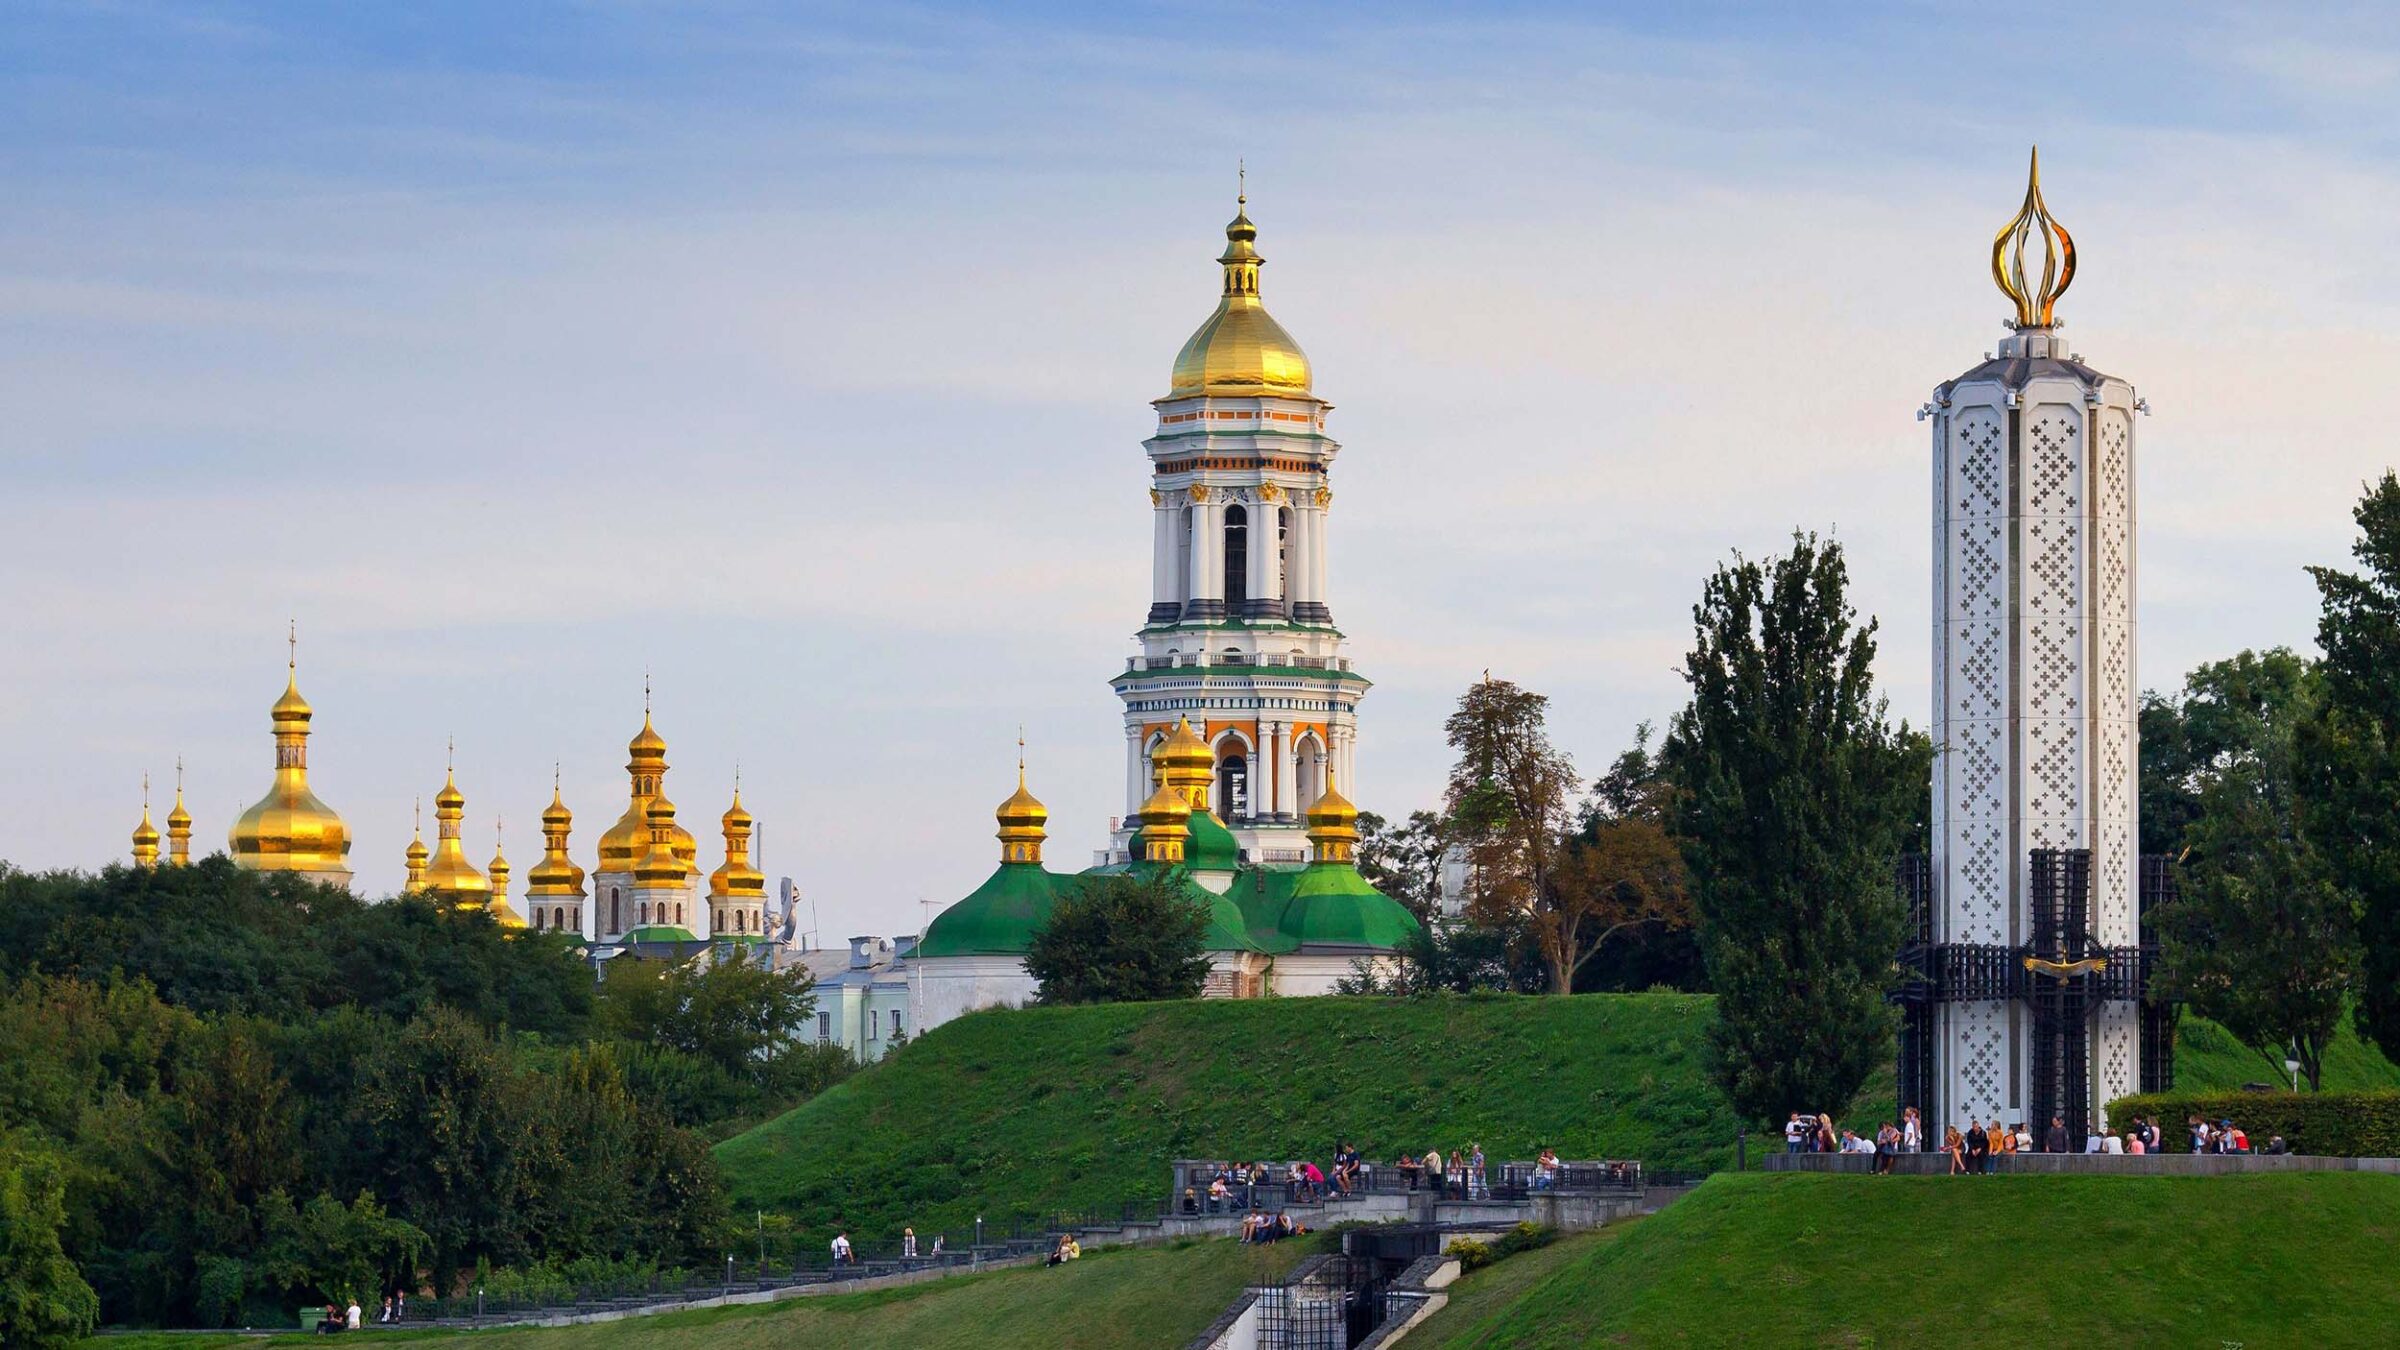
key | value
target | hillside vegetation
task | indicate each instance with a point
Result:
(1018, 1111)
(1807, 1260)
(1114, 1299)
(1043, 1108)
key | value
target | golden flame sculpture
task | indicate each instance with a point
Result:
(2013, 246)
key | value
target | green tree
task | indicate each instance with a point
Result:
(2348, 751)
(2262, 941)
(331, 1251)
(1511, 803)
(1404, 861)
(1122, 939)
(443, 1120)
(44, 1301)
(1794, 794)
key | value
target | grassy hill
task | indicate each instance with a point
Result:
(1040, 1108)
(1113, 1299)
(1062, 1107)
(1799, 1260)
(2209, 1059)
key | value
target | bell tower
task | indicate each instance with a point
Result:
(1240, 636)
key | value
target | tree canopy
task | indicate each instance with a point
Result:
(1122, 939)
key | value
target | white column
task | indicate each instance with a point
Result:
(1135, 778)
(1162, 554)
(1318, 590)
(1208, 550)
(1261, 538)
(1258, 774)
(1302, 586)
(1283, 769)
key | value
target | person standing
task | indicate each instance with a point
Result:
(841, 1249)
(1475, 1183)
(1433, 1171)
(908, 1244)
(2054, 1139)
(1912, 1131)
(352, 1314)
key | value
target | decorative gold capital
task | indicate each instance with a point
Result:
(1157, 497)
(2036, 302)
(1269, 493)
(1324, 498)
(1199, 492)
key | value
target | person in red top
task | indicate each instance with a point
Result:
(2240, 1142)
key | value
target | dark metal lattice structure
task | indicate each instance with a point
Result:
(2060, 975)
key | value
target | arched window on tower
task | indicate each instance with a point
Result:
(1233, 786)
(642, 913)
(1308, 776)
(616, 910)
(1237, 556)
(558, 918)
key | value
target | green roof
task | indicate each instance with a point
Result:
(1321, 905)
(1212, 847)
(660, 933)
(998, 917)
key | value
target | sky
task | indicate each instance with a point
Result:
(800, 357)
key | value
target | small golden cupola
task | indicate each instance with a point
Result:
(737, 891)
(418, 854)
(1166, 825)
(1241, 351)
(554, 888)
(179, 825)
(1184, 762)
(145, 835)
(450, 876)
(1024, 821)
(289, 830)
(498, 870)
(1333, 826)
(664, 864)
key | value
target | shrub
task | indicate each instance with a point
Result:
(1471, 1255)
(2329, 1124)
(1525, 1237)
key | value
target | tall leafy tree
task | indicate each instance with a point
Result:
(1404, 859)
(2262, 940)
(1511, 802)
(2348, 751)
(1122, 939)
(1794, 794)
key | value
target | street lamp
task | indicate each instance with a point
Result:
(2291, 1062)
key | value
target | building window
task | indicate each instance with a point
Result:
(824, 1027)
(616, 911)
(1237, 555)
(558, 917)
(895, 1024)
(1233, 786)
(872, 1024)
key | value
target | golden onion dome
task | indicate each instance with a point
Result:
(1183, 751)
(290, 829)
(1241, 350)
(737, 879)
(145, 835)
(665, 859)
(417, 854)
(626, 843)
(556, 815)
(1024, 824)
(1333, 824)
(556, 874)
(1168, 808)
(647, 744)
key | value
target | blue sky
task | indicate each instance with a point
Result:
(802, 355)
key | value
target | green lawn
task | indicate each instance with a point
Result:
(1478, 1298)
(2209, 1059)
(1112, 1299)
(1058, 1107)
(1803, 1260)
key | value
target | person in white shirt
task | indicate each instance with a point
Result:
(841, 1249)
(1793, 1133)
(908, 1243)
(353, 1314)
(2110, 1143)
(1912, 1132)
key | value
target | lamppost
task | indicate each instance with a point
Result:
(2291, 1062)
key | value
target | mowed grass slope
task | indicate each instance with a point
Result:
(1802, 1260)
(1113, 1299)
(1041, 1108)
(2209, 1059)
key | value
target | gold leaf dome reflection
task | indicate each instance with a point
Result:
(1241, 350)
(289, 829)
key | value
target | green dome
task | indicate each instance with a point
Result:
(1333, 906)
(1212, 847)
(660, 933)
(997, 918)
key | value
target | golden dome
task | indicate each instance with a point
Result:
(1333, 825)
(417, 855)
(665, 861)
(145, 835)
(1241, 350)
(1024, 824)
(290, 830)
(1184, 762)
(1165, 825)
(450, 875)
(737, 879)
(556, 873)
(179, 825)
(627, 842)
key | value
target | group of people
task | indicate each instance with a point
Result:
(1461, 1174)
(1066, 1249)
(1976, 1150)
(338, 1318)
(1261, 1227)
(846, 1255)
